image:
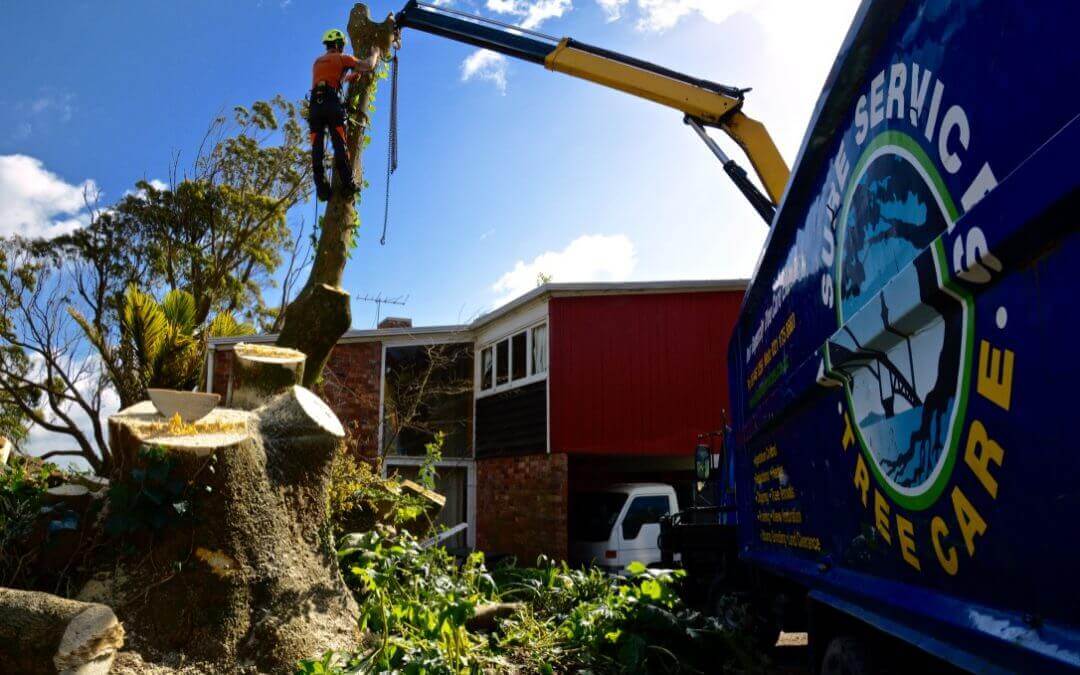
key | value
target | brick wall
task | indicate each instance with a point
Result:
(521, 505)
(350, 386)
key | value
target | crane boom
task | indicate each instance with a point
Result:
(703, 103)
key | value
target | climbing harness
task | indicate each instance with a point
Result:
(391, 159)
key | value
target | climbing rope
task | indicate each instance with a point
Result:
(391, 159)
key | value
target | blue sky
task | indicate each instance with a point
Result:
(509, 172)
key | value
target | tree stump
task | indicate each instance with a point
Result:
(248, 575)
(43, 633)
(259, 372)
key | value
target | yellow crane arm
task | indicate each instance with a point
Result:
(703, 103)
(712, 107)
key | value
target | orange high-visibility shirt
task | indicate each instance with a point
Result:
(330, 68)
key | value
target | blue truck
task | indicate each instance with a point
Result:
(900, 468)
(903, 371)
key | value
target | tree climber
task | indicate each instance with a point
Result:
(327, 110)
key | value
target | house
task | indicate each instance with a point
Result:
(564, 389)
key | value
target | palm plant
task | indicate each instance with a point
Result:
(160, 345)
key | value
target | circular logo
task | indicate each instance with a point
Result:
(903, 345)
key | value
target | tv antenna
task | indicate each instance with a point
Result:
(379, 300)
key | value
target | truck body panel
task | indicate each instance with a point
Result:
(903, 372)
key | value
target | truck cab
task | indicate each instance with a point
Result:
(619, 524)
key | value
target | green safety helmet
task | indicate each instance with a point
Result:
(333, 35)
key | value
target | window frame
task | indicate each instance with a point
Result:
(511, 383)
(480, 384)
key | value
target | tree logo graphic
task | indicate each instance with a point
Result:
(902, 350)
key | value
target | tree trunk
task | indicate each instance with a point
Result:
(249, 574)
(321, 313)
(43, 633)
(260, 372)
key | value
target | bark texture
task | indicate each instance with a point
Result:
(259, 373)
(250, 579)
(317, 317)
(43, 633)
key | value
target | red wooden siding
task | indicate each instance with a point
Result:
(638, 374)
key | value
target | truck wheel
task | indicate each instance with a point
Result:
(846, 655)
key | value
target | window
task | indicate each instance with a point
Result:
(539, 349)
(487, 369)
(519, 353)
(428, 389)
(643, 510)
(502, 362)
(513, 360)
(593, 514)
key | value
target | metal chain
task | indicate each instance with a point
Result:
(391, 159)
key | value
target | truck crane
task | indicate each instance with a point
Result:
(703, 103)
(900, 479)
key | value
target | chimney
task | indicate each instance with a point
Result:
(395, 322)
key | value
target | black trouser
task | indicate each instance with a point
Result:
(326, 111)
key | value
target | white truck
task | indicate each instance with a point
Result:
(619, 524)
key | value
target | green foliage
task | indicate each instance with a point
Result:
(16, 397)
(22, 485)
(160, 345)
(416, 604)
(208, 243)
(359, 497)
(432, 456)
(151, 497)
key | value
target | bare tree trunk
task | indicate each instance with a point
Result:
(252, 577)
(320, 314)
(43, 633)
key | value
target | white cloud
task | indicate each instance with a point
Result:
(60, 103)
(49, 107)
(35, 202)
(87, 374)
(590, 257)
(485, 65)
(158, 185)
(660, 15)
(613, 9)
(531, 12)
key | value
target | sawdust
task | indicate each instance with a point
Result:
(178, 427)
(268, 352)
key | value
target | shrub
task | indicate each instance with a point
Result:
(22, 485)
(416, 604)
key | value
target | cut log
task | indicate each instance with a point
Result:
(76, 497)
(66, 492)
(251, 576)
(259, 372)
(487, 615)
(91, 482)
(43, 633)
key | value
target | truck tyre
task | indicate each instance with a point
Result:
(846, 655)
